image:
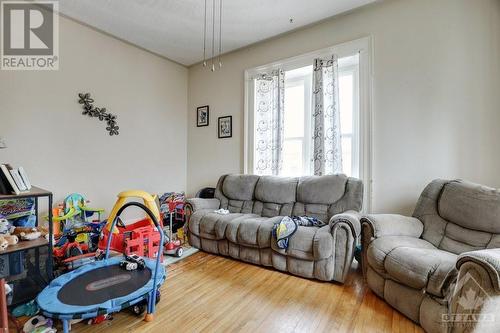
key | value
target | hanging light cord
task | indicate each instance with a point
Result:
(220, 32)
(205, 36)
(213, 34)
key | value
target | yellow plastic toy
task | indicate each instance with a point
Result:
(149, 202)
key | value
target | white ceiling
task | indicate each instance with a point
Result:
(174, 28)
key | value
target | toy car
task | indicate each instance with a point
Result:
(133, 258)
(127, 265)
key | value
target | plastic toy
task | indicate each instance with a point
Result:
(128, 266)
(39, 324)
(71, 248)
(73, 254)
(179, 211)
(141, 264)
(99, 319)
(66, 300)
(140, 238)
(74, 215)
(172, 247)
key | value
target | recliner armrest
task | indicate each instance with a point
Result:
(199, 203)
(393, 225)
(351, 218)
(488, 259)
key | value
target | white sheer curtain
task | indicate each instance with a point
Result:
(327, 150)
(269, 123)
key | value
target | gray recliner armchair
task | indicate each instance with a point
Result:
(440, 267)
(256, 203)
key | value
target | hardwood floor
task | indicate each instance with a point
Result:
(207, 293)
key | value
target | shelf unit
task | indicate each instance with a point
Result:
(29, 286)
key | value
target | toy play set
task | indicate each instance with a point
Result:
(101, 266)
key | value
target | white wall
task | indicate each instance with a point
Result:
(436, 96)
(65, 152)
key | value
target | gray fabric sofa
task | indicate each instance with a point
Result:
(440, 267)
(256, 203)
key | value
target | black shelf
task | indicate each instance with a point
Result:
(37, 254)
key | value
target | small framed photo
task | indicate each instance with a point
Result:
(225, 128)
(202, 116)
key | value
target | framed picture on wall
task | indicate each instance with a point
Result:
(225, 127)
(202, 116)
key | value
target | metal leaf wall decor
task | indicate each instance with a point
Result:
(100, 113)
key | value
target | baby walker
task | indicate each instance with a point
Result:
(172, 247)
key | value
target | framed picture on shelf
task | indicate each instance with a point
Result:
(202, 116)
(225, 127)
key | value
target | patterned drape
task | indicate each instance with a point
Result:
(327, 150)
(269, 120)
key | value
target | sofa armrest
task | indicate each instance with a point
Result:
(350, 218)
(378, 225)
(393, 225)
(488, 260)
(345, 229)
(476, 293)
(199, 203)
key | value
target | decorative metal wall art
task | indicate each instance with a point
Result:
(100, 113)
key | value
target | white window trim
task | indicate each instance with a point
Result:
(364, 47)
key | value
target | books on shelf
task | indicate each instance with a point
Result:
(25, 178)
(12, 180)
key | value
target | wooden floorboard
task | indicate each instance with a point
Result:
(207, 293)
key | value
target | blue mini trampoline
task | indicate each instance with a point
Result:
(103, 287)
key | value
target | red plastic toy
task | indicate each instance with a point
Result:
(173, 247)
(138, 238)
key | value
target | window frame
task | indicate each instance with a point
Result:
(362, 46)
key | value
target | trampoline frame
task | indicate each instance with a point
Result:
(150, 297)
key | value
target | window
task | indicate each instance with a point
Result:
(297, 122)
(354, 107)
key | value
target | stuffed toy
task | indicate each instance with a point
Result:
(3, 244)
(27, 233)
(5, 226)
(11, 239)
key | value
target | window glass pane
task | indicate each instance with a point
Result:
(292, 158)
(294, 110)
(347, 155)
(346, 102)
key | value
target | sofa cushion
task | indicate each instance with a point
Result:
(421, 268)
(251, 230)
(308, 243)
(239, 187)
(280, 190)
(255, 231)
(471, 206)
(380, 247)
(210, 225)
(321, 189)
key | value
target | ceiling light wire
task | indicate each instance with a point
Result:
(220, 32)
(213, 34)
(205, 37)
